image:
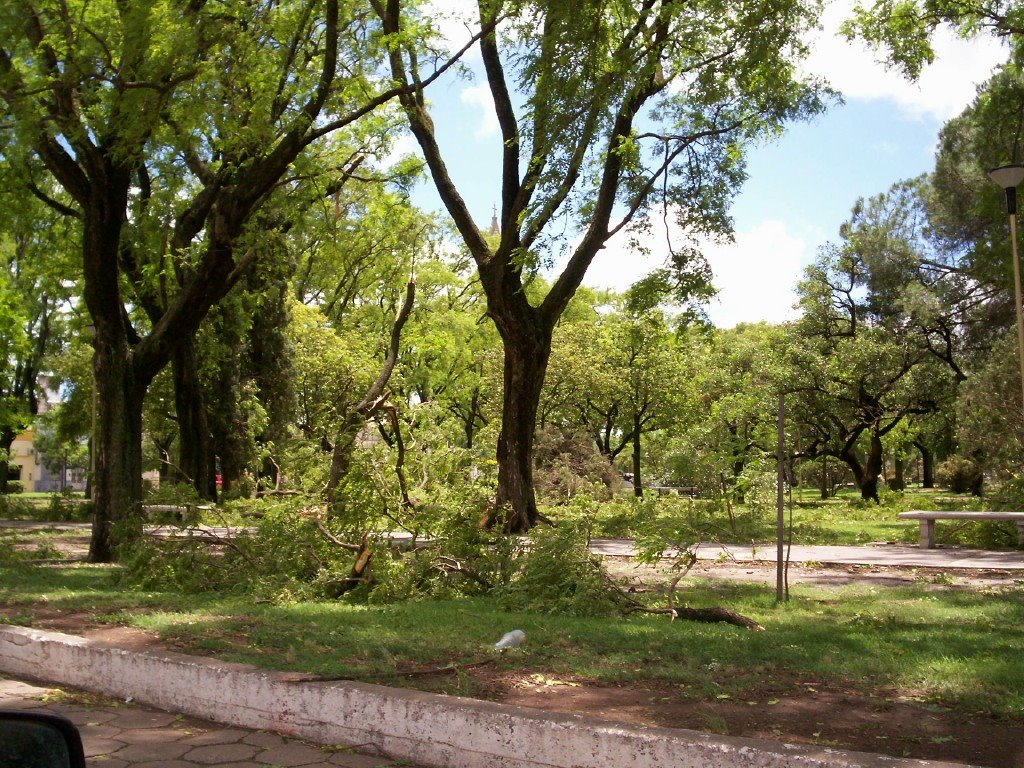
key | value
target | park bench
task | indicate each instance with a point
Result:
(927, 520)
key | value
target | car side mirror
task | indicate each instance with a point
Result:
(39, 740)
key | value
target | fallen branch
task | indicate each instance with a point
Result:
(201, 536)
(707, 615)
(334, 539)
(451, 565)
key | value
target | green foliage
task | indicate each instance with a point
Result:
(283, 557)
(15, 507)
(959, 474)
(903, 30)
(559, 574)
(757, 486)
(990, 427)
(566, 463)
(64, 506)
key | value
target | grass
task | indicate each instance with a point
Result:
(842, 520)
(953, 648)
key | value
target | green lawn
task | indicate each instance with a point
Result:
(844, 519)
(955, 648)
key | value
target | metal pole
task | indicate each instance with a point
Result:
(1017, 296)
(780, 523)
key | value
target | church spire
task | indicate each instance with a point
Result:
(495, 229)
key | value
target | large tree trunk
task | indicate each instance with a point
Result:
(638, 488)
(195, 457)
(225, 420)
(527, 350)
(867, 480)
(927, 465)
(117, 494)
(898, 483)
(866, 474)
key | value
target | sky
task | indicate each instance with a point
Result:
(800, 187)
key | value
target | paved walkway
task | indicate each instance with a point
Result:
(871, 554)
(128, 735)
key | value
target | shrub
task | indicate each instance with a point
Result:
(15, 486)
(17, 508)
(567, 462)
(960, 475)
(63, 507)
(559, 574)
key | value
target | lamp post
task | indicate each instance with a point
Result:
(1009, 178)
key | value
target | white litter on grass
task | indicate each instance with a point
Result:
(511, 639)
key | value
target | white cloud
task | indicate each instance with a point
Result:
(944, 89)
(455, 20)
(480, 96)
(755, 275)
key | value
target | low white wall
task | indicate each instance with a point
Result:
(428, 729)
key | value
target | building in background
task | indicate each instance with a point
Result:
(36, 476)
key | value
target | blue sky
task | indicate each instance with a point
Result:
(800, 187)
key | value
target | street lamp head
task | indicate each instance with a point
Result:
(1008, 177)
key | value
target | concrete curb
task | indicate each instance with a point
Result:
(428, 729)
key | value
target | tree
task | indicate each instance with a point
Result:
(616, 373)
(449, 354)
(36, 244)
(866, 362)
(169, 126)
(582, 150)
(990, 427)
(730, 383)
(904, 28)
(967, 214)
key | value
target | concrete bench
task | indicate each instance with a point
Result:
(927, 520)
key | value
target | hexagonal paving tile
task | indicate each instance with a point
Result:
(139, 718)
(97, 747)
(100, 732)
(293, 754)
(221, 753)
(215, 736)
(155, 735)
(99, 716)
(264, 739)
(105, 761)
(138, 752)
